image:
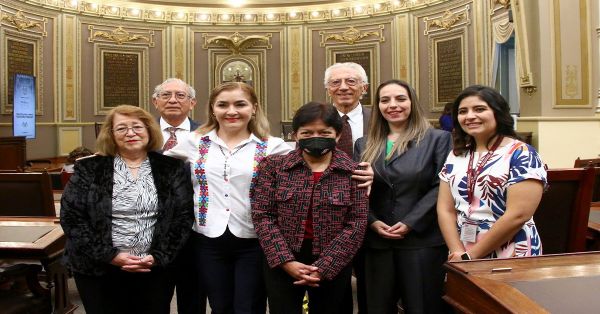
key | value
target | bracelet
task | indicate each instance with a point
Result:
(465, 256)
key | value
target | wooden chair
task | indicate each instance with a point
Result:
(592, 162)
(26, 194)
(17, 299)
(13, 151)
(562, 215)
(595, 163)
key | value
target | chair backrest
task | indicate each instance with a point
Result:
(26, 194)
(562, 215)
(13, 153)
(592, 162)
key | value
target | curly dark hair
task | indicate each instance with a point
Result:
(463, 142)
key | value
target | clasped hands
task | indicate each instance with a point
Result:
(306, 275)
(133, 263)
(397, 231)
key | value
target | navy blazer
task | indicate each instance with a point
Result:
(405, 189)
(86, 210)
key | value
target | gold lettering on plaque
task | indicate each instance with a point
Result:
(364, 59)
(19, 59)
(449, 69)
(121, 79)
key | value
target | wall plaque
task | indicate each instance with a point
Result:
(364, 59)
(121, 79)
(19, 59)
(449, 65)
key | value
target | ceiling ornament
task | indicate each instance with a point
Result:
(237, 43)
(120, 36)
(352, 35)
(447, 21)
(21, 22)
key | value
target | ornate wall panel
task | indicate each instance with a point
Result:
(121, 76)
(295, 75)
(71, 71)
(526, 79)
(22, 38)
(349, 42)
(571, 54)
(447, 35)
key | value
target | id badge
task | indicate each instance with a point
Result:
(468, 232)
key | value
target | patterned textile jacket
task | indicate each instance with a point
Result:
(280, 206)
(86, 208)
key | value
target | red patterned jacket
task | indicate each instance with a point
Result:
(280, 208)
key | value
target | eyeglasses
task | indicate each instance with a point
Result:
(137, 129)
(349, 81)
(168, 95)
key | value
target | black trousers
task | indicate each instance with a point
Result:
(286, 298)
(191, 297)
(230, 271)
(414, 275)
(123, 292)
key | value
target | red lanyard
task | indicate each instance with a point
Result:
(472, 174)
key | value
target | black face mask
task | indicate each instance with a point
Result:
(317, 146)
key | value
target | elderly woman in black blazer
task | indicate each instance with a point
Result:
(126, 212)
(405, 250)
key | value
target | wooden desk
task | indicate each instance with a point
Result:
(48, 249)
(562, 283)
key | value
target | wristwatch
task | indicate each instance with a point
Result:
(465, 256)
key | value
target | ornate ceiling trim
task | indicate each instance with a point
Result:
(185, 13)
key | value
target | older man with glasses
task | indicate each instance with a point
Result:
(346, 83)
(174, 99)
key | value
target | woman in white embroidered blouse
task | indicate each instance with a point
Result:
(225, 153)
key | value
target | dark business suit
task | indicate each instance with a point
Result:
(359, 261)
(191, 296)
(86, 218)
(405, 189)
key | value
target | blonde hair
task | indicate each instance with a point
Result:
(258, 125)
(379, 128)
(106, 144)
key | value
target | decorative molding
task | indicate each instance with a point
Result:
(121, 36)
(352, 35)
(504, 3)
(22, 22)
(529, 90)
(447, 21)
(222, 14)
(237, 43)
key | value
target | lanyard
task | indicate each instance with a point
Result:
(472, 174)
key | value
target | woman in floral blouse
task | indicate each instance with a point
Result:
(492, 182)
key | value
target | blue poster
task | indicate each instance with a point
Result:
(24, 106)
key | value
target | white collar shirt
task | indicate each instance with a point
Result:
(182, 131)
(355, 119)
(228, 200)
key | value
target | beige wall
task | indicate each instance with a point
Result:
(290, 68)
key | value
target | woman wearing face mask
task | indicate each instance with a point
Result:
(405, 249)
(309, 215)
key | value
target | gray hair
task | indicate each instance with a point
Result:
(159, 88)
(354, 66)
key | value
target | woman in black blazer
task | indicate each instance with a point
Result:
(126, 212)
(405, 250)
